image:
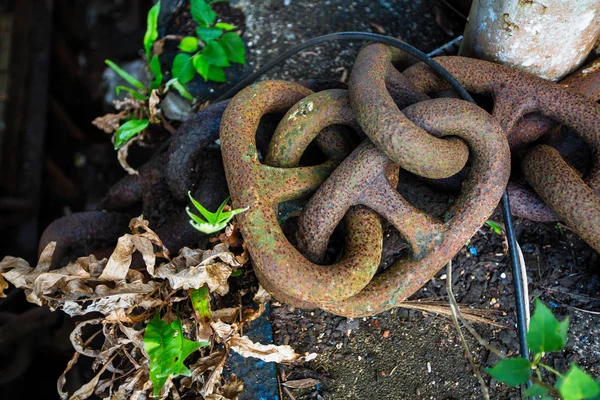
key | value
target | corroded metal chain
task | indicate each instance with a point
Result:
(430, 138)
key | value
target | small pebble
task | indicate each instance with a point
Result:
(428, 367)
(503, 275)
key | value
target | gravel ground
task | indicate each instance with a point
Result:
(402, 354)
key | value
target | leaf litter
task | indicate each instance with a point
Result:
(161, 334)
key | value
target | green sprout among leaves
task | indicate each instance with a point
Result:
(211, 50)
(495, 226)
(214, 221)
(167, 349)
(546, 334)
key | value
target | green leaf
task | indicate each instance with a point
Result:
(201, 302)
(205, 33)
(214, 54)
(216, 74)
(225, 26)
(151, 29)
(182, 68)
(202, 12)
(189, 44)
(214, 221)
(535, 390)
(236, 272)
(136, 95)
(128, 78)
(128, 130)
(201, 66)
(513, 371)
(576, 384)
(167, 349)
(156, 72)
(545, 332)
(218, 1)
(234, 47)
(495, 226)
(180, 88)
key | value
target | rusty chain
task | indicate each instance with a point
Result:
(358, 185)
(364, 183)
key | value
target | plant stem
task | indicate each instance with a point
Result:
(551, 389)
(549, 368)
(455, 310)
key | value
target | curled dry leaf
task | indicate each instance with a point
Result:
(110, 122)
(260, 298)
(77, 340)
(153, 107)
(213, 378)
(227, 315)
(128, 104)
(191, 269)
(88, 389)
(3, 287)
(78, 288)
(123, 152)
(119, 262)
(132, 386)
(268, 353)
(233, 388)
(62, 379)
(224, 331)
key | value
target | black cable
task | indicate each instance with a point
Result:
(351, 36)
(510, 233)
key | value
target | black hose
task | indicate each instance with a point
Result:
(510, 233)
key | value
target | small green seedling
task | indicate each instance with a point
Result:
(495, 226)
(167, 349)
(546, 334)
(211, 50)
(214, 221)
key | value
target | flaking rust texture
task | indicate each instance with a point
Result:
(548, 38)
(436, 138)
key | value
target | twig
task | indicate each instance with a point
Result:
(454, 308)
(450, 6)
(586, 311)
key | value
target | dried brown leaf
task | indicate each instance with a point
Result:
(193, 268)
(62, 379)
(118, 265)
(3, 287)
(128, 104)
(227, 315)
(233, 388)
(110, 122)
(123, 152)
(153, 107)
(140, 227)
(214, 377)
(223, 331)
(301, 383)
(77, 340)
(202, 365)
(268, 353)
(260, 298)
(132, 386)
(88, 389)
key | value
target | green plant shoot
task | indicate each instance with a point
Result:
(546, 334)
(214, 48)
(214, 221)
(167, 349)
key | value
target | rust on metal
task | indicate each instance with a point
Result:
(560, 186)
